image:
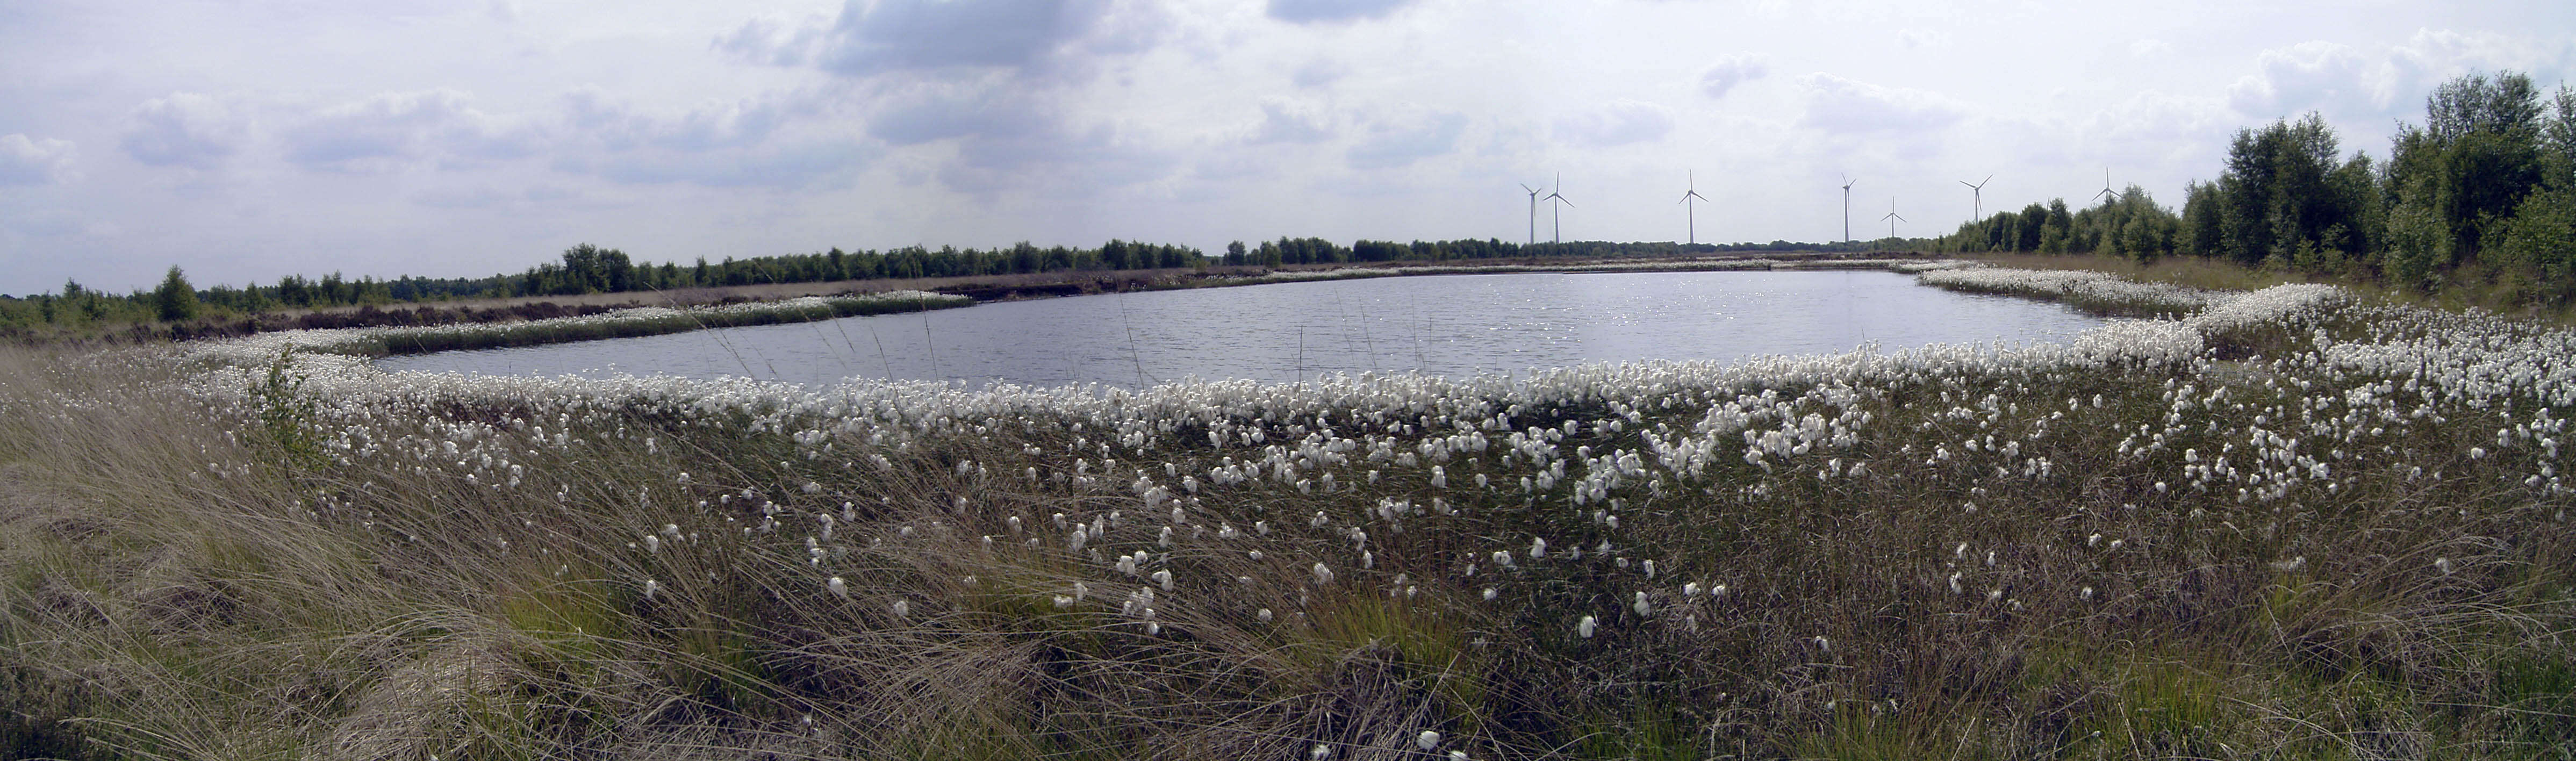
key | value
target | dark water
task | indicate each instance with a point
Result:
(1452, 325)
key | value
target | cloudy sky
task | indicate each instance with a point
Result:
(247, 140)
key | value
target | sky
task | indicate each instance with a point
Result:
(243, 141)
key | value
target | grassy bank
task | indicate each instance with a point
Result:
(622, 323)
(2292, 525)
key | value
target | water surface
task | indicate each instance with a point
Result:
(1454, 325)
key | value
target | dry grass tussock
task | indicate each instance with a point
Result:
(2297, 526)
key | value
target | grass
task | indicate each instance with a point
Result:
(2294, 526)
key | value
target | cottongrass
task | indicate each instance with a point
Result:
(2292, 524)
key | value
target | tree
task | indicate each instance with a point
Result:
(175, 300)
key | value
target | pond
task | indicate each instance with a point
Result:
(1456, 325)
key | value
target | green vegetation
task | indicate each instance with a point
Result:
(588, 269)
(2292, 526)
(2480, 197)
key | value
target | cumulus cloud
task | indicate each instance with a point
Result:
(1000, 80)
(1616, 123)
(1317, 73)
(775, 40)
(765, 140)
(1332, 11)
(184, 129)
(1283, 121)
(1398, 142)
(1839, 105)
(1923, 38)
(2312, 76)
(389, 130)
(930, 34)
(1730, 71)
(34, 161)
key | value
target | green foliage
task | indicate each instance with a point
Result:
(2540, 242)
(175, 300)
(289, 418)
(2418, 244)
(2486, 182)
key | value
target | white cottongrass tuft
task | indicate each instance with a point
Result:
(1490, 594)
(1163, 579)
(651, 588)
(903, 609)
(1643, 607)
(1428, 740)
(840, 589)
(1649, 567)
(1323, 575)
(1538, 548)
(2443, 565)
(1319, 752)
(1585, 627)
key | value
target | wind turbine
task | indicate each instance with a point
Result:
(1690, 210)
(1980, 189)
(1533, 193)
(1556, 214)
(1848, 181)
(2106, 186)
(1891, 217)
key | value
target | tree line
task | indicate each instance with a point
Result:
(588, 268)
(2482, 193)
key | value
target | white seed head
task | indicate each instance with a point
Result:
(1323, 575)
(1427, 740)
(1163, 579)
(1585, 627)
(840, 589)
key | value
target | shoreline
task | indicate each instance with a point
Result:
(368, 331)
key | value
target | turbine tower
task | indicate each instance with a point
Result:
(1848, 181)
(1691, 211)
(1556, 214)
(2106, 186)
(1980, 190)
(1891, 217)
(1533, 193)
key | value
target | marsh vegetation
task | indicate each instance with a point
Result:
(2284, 524)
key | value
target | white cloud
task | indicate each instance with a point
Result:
(2149, 46)
(775, 40)
(1398, 142)
(1844, 106)
(1332, 11)
(184, 129)
(1730, 71)
(34, 161)
(904, 35)
(2312, 76)
(1918, 39)
(391, 130)
(772, 140)
(1285, 121)
(1317, 73)
(1616, 123)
